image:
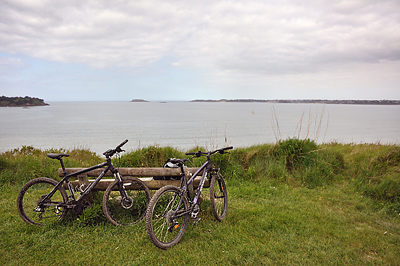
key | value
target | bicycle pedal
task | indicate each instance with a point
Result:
(195, 221)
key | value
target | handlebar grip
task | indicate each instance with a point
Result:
(222, 151)
(198, 154)
(122, 144)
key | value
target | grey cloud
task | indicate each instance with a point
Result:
(265, 37)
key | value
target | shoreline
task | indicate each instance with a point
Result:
(359, 102)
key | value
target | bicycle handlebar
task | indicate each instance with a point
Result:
(200, 153)
(118, 148)
(111, 152)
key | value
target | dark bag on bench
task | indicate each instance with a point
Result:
(168, 164)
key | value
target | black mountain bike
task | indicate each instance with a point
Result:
(171, 207)
(43, 200)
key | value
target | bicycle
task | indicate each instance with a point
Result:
(171, 207)
(43, 201)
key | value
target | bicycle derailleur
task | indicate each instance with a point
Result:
(194, 214)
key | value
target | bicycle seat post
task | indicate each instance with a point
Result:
(62, 166)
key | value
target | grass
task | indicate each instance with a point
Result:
(293, 203)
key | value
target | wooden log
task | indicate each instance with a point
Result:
(140, 171)
(137, 172)
(83, 183)
(150, 182)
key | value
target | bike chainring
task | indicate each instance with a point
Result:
(77, 207)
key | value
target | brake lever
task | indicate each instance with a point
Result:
(119, 150)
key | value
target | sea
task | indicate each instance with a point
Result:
(99, 126)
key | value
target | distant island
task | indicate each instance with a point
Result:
(371, 102)
(21, 101)
(139, 101)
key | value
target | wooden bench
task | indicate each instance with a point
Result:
(144, 174)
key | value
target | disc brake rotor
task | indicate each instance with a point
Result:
(127, 203)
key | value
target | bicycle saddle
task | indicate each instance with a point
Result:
(57, 156)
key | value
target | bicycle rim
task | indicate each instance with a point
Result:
(218, 197)
(32, 193)
(164, 225)
(126, 211)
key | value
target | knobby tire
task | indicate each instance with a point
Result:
(30, 195)
(163, 228)
(218, 197)
(121, 212)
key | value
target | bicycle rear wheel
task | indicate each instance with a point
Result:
(50, 210)
(120, 210)
(165, 222)
(218, 197)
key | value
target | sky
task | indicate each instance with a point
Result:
(180, 50)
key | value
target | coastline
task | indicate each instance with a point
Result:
(21, 101)
(363, 102)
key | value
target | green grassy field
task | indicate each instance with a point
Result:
(291, 203)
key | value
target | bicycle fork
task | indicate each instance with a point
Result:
(126, 200)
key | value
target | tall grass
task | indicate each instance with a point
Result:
(290, 203)
(310, 125)
(21, 165)
(151, 156)
(372, 169)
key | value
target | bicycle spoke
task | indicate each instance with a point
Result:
(33, 193)
(128, 207)
(163, 227)
(218, 197)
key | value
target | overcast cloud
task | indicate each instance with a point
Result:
(183, 50)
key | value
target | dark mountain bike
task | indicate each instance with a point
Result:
(171, 207)
(43, 200)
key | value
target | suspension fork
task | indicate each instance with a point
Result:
(121, 187)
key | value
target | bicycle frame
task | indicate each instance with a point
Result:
(87, 190)
(172, 208)
(206, 168)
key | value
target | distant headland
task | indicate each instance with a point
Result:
(370, 102)
(139, 101)
(21, 101)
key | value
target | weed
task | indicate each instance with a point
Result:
(92, 216)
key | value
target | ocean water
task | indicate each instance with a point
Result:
(99, 126)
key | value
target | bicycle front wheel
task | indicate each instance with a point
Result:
(48, 211)
(167, 217)
(121, 210)
(218, 197)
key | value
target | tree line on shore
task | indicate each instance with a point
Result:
(21, 101)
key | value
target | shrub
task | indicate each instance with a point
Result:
(296, 153)
(306, 162)
(151, 156)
